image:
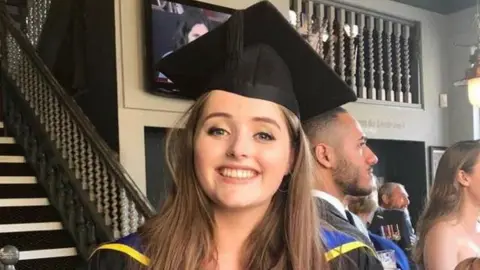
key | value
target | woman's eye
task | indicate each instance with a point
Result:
(217, 131)
(264, 136)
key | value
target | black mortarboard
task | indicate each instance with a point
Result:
(257, 53)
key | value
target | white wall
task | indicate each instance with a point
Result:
(138, 109)
(463, 117)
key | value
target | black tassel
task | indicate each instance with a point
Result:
(234, 41)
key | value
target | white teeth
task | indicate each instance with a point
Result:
(234, 173)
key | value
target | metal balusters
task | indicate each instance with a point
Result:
(320, 8)
(361, 46)
(388, 42)
(298, 11)
(369, 50)
(331, 39)
(380, 86)
(352, 53)
(372, 94)
(406, 63)
(398, 63)
(341, 43)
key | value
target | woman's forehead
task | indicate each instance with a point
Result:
(238, 106)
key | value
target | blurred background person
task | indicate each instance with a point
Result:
(392, 220)
(365, 207)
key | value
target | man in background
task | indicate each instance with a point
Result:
(392, 220)
(343, 167)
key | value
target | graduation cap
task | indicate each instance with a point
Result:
(258, 54)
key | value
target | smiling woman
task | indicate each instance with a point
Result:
(241, 166)
(242, 152)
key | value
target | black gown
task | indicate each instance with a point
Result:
(124, 253)
(343, 252)
(363, 257)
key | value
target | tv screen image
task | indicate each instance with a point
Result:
(171, 25)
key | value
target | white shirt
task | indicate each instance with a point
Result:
(341, 208)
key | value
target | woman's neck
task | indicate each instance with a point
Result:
(468, 215)
(231, 232)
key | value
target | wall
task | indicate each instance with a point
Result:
(136, 108)
(463, 117)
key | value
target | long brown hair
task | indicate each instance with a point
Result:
(445, 195)
(181, 236)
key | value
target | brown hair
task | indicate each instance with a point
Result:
(181, 236)
(469, 264)
(445, 195)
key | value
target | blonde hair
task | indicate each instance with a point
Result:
(181, 236)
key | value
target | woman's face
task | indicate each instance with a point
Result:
(242, 150)
(197, 31)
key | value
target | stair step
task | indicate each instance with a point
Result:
(15, 169)
(25, 241)
(13, 191)
(12, 159)
(30, 214)
(30, 227)
(7, 140)
(11, 149)
(18, 180)
(71, 262)
(24, 202)
(48, 253)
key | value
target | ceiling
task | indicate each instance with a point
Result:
(440, 6)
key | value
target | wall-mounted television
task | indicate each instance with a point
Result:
(169, 26)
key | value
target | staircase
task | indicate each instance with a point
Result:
(27, 220)
(73, 193)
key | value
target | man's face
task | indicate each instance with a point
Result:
(354, 159)
(398, 199)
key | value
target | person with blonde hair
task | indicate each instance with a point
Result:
(447, 228)
(241, 165)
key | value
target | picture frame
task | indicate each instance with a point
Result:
(434, 155)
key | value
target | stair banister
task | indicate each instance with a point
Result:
(9, 256)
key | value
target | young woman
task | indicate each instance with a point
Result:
(241, 165)
(447, 227)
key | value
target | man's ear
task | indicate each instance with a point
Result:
(325, 155)
(385, 199)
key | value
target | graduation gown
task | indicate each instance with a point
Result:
(118, 255)
(341, 251)
(363, 257)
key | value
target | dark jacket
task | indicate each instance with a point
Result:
(360, 258)
(394, 225)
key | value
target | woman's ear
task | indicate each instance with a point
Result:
(463, 178)
(324, 155)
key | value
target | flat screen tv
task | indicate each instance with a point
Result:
(170, 25)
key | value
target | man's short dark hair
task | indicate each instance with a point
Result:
(320, 125)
